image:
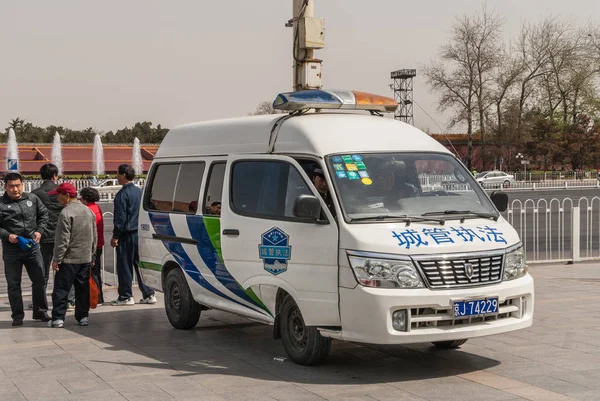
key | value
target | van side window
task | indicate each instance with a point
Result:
(162, 187)
(188, 187)
(214, 190)
(266, 188)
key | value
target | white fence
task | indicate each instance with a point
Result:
(557, 230)
(107, 194)
(552, 230)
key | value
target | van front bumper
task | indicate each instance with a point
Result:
(366, 313)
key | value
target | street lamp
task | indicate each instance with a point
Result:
(524, 162)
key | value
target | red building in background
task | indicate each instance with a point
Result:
(77, 158)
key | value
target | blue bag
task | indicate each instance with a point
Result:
(26, 244)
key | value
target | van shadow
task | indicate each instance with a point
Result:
(143, 340)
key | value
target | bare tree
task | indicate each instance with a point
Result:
(454, 77)
(533, 46)
(265, 108)
(487, 28)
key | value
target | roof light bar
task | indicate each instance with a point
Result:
(334, 99)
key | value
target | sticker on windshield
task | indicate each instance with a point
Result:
(353, 175)
(360, 165)
(338, 167)
(437, 236)
(337, 159)
(347, 159)
(363, 174)
(275, 250)
(351, 167)
(367, 181)
(357, 158)
(341, 174)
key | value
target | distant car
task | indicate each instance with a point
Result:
(495, 179)
(108, 185)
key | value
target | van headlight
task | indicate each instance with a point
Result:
(514, 265)
(385, 273)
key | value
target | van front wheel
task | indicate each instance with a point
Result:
(303, 344)
(182, 310)
(449, 344)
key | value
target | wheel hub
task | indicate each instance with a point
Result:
(175, 299)
(297, 329)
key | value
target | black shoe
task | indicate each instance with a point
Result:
(17, 322)
(43, 318)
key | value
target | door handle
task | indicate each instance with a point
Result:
(230, 231)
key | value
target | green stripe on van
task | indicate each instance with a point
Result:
(150, 266)
(213, 228)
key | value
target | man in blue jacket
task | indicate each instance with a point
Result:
(125, 238)
(23, 217)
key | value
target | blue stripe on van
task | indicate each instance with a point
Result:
(162, 225)
(209, 255)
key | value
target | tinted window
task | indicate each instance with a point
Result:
(160, 194)
(188, 187)
(214, 189)
(266, 188)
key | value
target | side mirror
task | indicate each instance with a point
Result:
(307, 207)
(500, 200)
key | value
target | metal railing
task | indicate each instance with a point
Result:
(557, 230)
(110, 277)
(30, 185)
(551, 230)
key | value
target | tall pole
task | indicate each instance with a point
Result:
(307, 35)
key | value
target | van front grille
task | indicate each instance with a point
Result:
(462, 272)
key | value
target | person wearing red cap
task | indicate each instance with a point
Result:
(74, 246)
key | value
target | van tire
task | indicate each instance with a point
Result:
(182, 310)
(303, 344)
(449, 344)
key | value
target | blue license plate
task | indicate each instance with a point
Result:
(475, 307)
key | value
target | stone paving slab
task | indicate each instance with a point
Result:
(132, 353)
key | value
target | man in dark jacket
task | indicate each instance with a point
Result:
(49, 173)
(125, 238)
(23, 217)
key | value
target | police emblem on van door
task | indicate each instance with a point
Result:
(275, 250)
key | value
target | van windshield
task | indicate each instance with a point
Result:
(405, 184)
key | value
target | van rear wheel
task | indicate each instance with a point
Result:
(449, 344)
(303, 344)
(182, 310)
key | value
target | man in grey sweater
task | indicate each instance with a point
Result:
(74, 246)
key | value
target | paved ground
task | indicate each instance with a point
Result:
(132, 353)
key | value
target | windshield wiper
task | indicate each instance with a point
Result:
(476, 214)
(405, 218)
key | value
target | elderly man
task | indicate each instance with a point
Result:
(74, 247)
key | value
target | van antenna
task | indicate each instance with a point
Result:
(441, 129)
(277, 126)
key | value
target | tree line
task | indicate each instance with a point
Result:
(536, 94)
(26, 132)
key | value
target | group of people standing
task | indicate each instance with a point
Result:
(54, 228)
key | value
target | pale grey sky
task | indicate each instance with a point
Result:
(109, 64)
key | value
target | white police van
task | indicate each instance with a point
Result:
(408, 249)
